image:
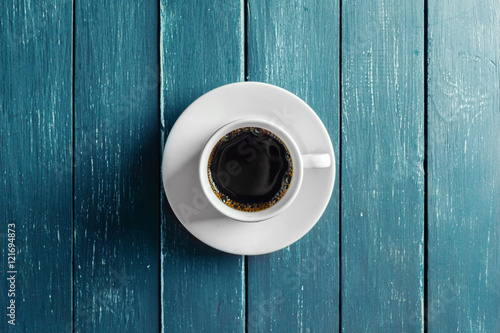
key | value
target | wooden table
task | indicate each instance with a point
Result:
(408, 90)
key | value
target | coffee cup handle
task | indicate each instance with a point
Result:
(316, 161)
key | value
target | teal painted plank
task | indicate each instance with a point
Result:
(202, 47)
(117, 167)
(382, 166)
(36, 163)
(464, 166)
(296, 46)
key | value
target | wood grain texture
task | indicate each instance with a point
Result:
(296, 46)
(464, 166)
(117, 180)
(202, 47)
(36, 161)
(382, 166)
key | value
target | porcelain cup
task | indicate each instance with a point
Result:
(300, 160)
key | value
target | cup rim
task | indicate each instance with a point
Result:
(270, 212)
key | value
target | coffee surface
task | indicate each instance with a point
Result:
(250, 169)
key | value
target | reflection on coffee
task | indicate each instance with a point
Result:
(250, 169)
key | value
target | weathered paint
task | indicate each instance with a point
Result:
(116, 237)
(464, 166)
(296, 46)
(120, 129)
(35, 162)
(382, 185)
(202, 47)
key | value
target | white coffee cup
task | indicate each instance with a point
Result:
(300, 162)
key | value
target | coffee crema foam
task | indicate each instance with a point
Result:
(274, 158)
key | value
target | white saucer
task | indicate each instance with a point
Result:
(185, 143)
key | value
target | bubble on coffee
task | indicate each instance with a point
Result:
(250, 169)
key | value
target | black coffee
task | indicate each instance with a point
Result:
(250, 169)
